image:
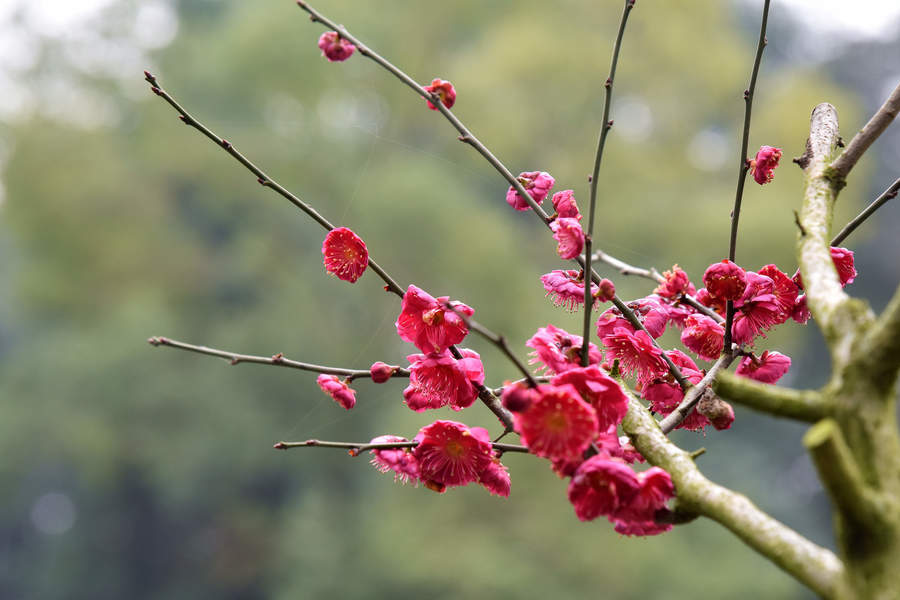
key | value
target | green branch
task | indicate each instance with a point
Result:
(801, 405)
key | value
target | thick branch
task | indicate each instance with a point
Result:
(605, 125)
(841, 476)
(814, 566)
(880, 349)
(276, 360)
(868, 134)
(802, 405)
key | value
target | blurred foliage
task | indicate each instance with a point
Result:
(141, 227)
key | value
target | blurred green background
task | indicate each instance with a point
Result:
(134, 472)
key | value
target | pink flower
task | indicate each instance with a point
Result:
(334, 47)
(606, 290)
(436, 380)
(664, 394)
(617, 447)
(843, 262)
(517, 397)
(559, 350)
(713, 302)
(600, 390)
(536, 183)
(451, 454)
(636, 353)
(445, 91)
(757, 311)
(638, 517)
(339, 391)
(654, 314)
(566, 288)
(602, 486)
(785, 291)
(725, 280)
(676, 284)
(345, 254)
(425, 322)
(399, 460)
(567, 232)
(495, 478)
(610, 320)
(768, 368)
(564, 203)
(800, 312)
(703, 336)
(558, 424)
(381, 372)
(764, 164)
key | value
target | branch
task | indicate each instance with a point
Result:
(693, 394)
(880, 348)
(261, 176)
(814, 566)
(868, 134)
(356, 448)
(805, 405)
(601, 143)
(841, 476)
(888, 194)
(836, 314)
(276, 360)
(744, 166)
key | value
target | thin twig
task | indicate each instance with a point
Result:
(868, 134)
(606, 125)
(692, 396)
(276, 360)
(357, 448)
(498, 340)
(261, 176)
(888, 194)
(744, 165)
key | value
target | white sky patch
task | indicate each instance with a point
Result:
(858, 19)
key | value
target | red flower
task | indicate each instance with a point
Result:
(636, 353)
(566, 288)
(570, 237)
(381, 372)
(334, 47)
(536, 183)
(444, 90)
(768, 368)
(601, 391)
(610, 320)
(425, 322)
(451, 454)
(638, 517)
(664, 394)
(345, 254)
(757, 311)
(559, 350)
(399, 460)
(558, 424)
(436, 380)
(764, 164)
(800, 312)
(564, 203)
(495, 478)
(725, 280)
(654, 314)
(703, 336)
(339, 391)
(843, 262)
(517, 397)
(785, 290)
(602, 486)
(676, 284)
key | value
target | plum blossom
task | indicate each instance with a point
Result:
(566, 287)
(767, 368)
(725, 280)
(703, 336)
(452, 454)
(638, 517)
(439, 379)
(664, 394)
(381, 372)
(345, 254)
(676, 283)
(636, 353)
(399, 460)
(426, 322)
(843, 262)
(564, 203)
(339, 391)
(764, 164)
(558, 350)
(445, 91)
(334, 47)
(495, 478)
(602, 485)
(600, 390)
(569, 236)
(536, 183)
(558, 423)
(758, 309)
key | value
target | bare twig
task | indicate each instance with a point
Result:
(888, 194)
(605, 126)
(357, 448)
(744, 166)
(261, 176)
(693, 395)
(868, 134)
(276, 360)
